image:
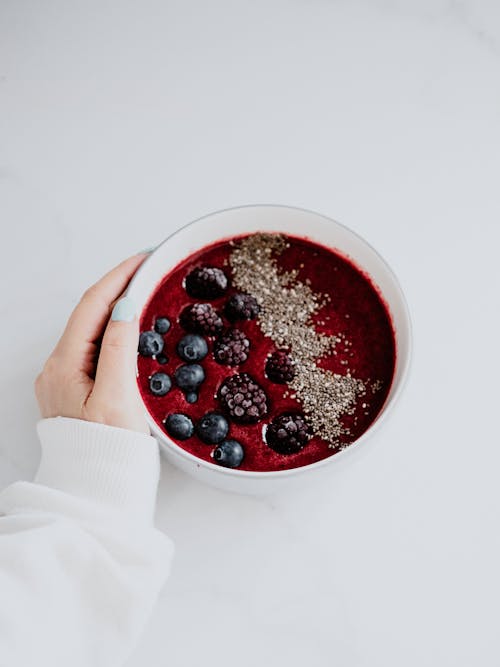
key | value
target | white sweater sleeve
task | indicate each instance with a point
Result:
(81, 563)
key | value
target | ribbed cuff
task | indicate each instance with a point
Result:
(109, 465)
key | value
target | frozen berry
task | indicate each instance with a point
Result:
(243, 399)
(162, 325)
(206, 282)
(212, 428)
(280, 367)
(232, 348)
(150, 343)
(191, 397)
(201, 318)
(162, 358)
(229, 454)
(242, 307)
(192, 347)
(288, 433)
(160, 384)
(189, 377)
(179, 426)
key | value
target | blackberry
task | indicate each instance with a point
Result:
(206, 282)
(288, 433)
(232, 348)
(201, 318)
(242, 307)
(280, 367)
(243, 399)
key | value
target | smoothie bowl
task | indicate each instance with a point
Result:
(273, 342)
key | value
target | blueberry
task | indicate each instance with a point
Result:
(192, 347)
(162, 358)
(191, 397)
(212, 428)
(189, 376)
(162, 325)
(179, 426)
(160, 384)
(150, 343)
(229, 454)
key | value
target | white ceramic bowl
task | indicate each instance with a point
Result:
(298, 222)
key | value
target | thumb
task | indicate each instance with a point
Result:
(116, 367)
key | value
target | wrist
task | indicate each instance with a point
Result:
(103, 463)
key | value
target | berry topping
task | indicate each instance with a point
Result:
(179, 426)
(242, 307)
(192, 347)
(201, 318)
(232, 348)
(189, 377)
(162, 358)
(229, 454)
(280, 367)
(206, 282)
(191, 397)
(243, 399)
(162, 325)
(212, 428)
(160, 384)
(150, 343)
(288, 433)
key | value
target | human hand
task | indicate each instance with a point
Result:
(96, 381)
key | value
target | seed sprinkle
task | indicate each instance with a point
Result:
(287, 306)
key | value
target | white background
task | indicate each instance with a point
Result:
(121, 121)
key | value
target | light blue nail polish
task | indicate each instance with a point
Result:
(147, 251)
(124, 310)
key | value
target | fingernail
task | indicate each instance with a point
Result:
(124, 310)
(147, 251)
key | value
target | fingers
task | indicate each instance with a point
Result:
(89, 318)
(116, 368)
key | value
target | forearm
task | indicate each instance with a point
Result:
(81, 563)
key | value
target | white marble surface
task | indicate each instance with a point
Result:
(121, 121)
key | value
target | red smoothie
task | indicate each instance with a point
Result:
(338, 389)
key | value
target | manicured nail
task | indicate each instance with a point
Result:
(124, 310)
(147, 251)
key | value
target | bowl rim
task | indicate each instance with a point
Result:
(387, 409)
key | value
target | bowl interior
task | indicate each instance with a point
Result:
(298, 222)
